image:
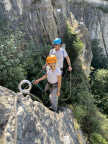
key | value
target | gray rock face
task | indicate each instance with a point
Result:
(44, 20)
(6, 102)
(33, 123)
(94, 14)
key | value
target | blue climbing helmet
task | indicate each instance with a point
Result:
(57, 41)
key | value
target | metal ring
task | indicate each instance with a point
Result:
(25, 91)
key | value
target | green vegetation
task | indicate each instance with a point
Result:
(99, 85)
(98, 139)
(74, 45)
(18, 57)
(81, 99)
(11, 70)
(99, 82)
(99, 78)
(99, 60)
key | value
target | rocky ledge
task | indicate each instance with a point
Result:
(23, 121)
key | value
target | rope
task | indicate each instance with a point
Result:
(70, 92)
(37, 85)
(70, 84)
(75, 83)
(35, 97)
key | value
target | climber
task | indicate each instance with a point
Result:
(53, 76)
(60, 53)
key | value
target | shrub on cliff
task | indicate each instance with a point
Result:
(11, 69)
(81, 99)
(73, 43)
(97, 139)
(99, 86)
(99, 58)
(19, 58)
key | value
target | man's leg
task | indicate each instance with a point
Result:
(53, 98)
(47, 87)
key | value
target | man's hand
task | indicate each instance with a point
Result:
(58, 93)
(69, 63)
(69, 68)
(36, 82)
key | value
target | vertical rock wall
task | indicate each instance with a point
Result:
(95, 16)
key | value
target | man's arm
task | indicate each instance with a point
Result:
(40, 79)
(68, 60)
(69, 63)
(59, 85)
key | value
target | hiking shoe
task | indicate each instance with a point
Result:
(52, 109)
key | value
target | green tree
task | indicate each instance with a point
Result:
(97, 139)
(99, 86)
(99, 59)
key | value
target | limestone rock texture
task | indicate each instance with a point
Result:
(93, 14)
(44, 20)
(24, 121)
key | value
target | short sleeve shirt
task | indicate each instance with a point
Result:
(60, 54)
(52, 76)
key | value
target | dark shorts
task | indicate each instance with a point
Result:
(49, 86)
(52, 85)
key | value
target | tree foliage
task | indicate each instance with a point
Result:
(19, 58)
(99, 58)
(11, 57)
(73, 43)
(81, 99)
(99, 85)
(97, 139)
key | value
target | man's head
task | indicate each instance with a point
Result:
(57, 43)
(51, 61)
